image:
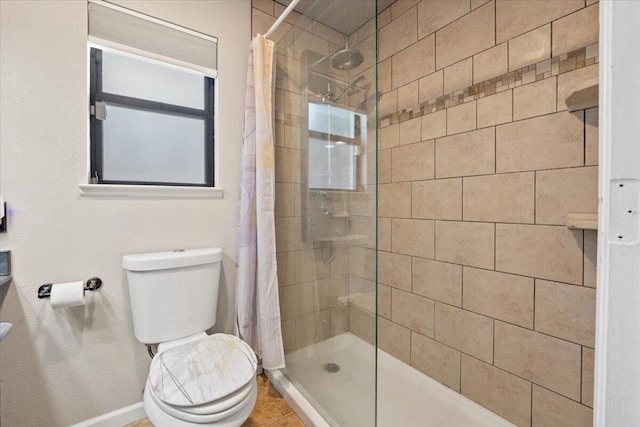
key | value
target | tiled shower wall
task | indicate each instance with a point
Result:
(481, 285)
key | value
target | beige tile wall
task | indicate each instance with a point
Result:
(482, 287)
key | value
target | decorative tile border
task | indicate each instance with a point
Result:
(565, 63)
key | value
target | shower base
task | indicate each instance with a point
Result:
(406, 396)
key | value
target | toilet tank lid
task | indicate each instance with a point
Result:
(171, 259)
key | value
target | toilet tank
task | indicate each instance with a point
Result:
(173, 294)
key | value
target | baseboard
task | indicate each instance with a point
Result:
(117, 418)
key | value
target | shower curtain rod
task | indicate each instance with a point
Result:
(286, 12)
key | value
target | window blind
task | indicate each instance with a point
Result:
(133, 32)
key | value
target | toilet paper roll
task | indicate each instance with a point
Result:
(65, 295)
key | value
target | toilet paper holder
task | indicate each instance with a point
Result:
(92, 284)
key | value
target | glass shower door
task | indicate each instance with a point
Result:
(326, 207)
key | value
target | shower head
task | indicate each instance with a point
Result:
(346, 59)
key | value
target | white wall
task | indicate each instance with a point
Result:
(617, 374)
(59, 368)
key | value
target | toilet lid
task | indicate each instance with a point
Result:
(202, 371)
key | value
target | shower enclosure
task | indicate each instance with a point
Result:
(429, 162)
(326, 207)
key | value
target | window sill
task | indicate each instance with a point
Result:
(150, 191)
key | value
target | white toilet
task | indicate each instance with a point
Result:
(195, 379)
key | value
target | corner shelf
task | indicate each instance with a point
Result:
(582, 221)
(585, 95)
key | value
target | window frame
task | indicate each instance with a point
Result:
(96, 130)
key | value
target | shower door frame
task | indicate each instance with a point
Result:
(617, 370)
(306, 411)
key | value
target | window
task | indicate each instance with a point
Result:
(150, 123)
(151, 100)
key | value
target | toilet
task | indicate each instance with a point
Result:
(195, 379)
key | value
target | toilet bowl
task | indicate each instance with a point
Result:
(201, 380)
(195, 379)
(159, 417)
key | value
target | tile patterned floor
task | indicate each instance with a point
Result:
(271, 410)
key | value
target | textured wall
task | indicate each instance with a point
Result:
(482, 287)
(59, 368)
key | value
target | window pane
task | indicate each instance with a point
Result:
(332, 165)
(153, 147)
(139, 78)
(332, 120)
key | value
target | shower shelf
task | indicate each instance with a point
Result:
(367, 301)
(585, 95)
(582, 221)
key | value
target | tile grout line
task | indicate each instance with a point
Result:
(493, 354)
(513, 105)
(535, 196)
(551, 34)
(531, 404)
(584, 234)
(495, 169)
(584, 121)
(533, 325)
(462, 200)
(460, 375)
(581, 370)
(462, 289)
(495, 246)
(434, 320)
(435, 237)
(495, 25)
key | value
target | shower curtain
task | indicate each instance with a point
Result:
(257, 279)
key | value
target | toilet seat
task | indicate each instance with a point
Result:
(202, 379)
(160, 418)
(208, 417)
(202, 370)
(216, 406)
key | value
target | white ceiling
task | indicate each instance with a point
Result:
(345, 16)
